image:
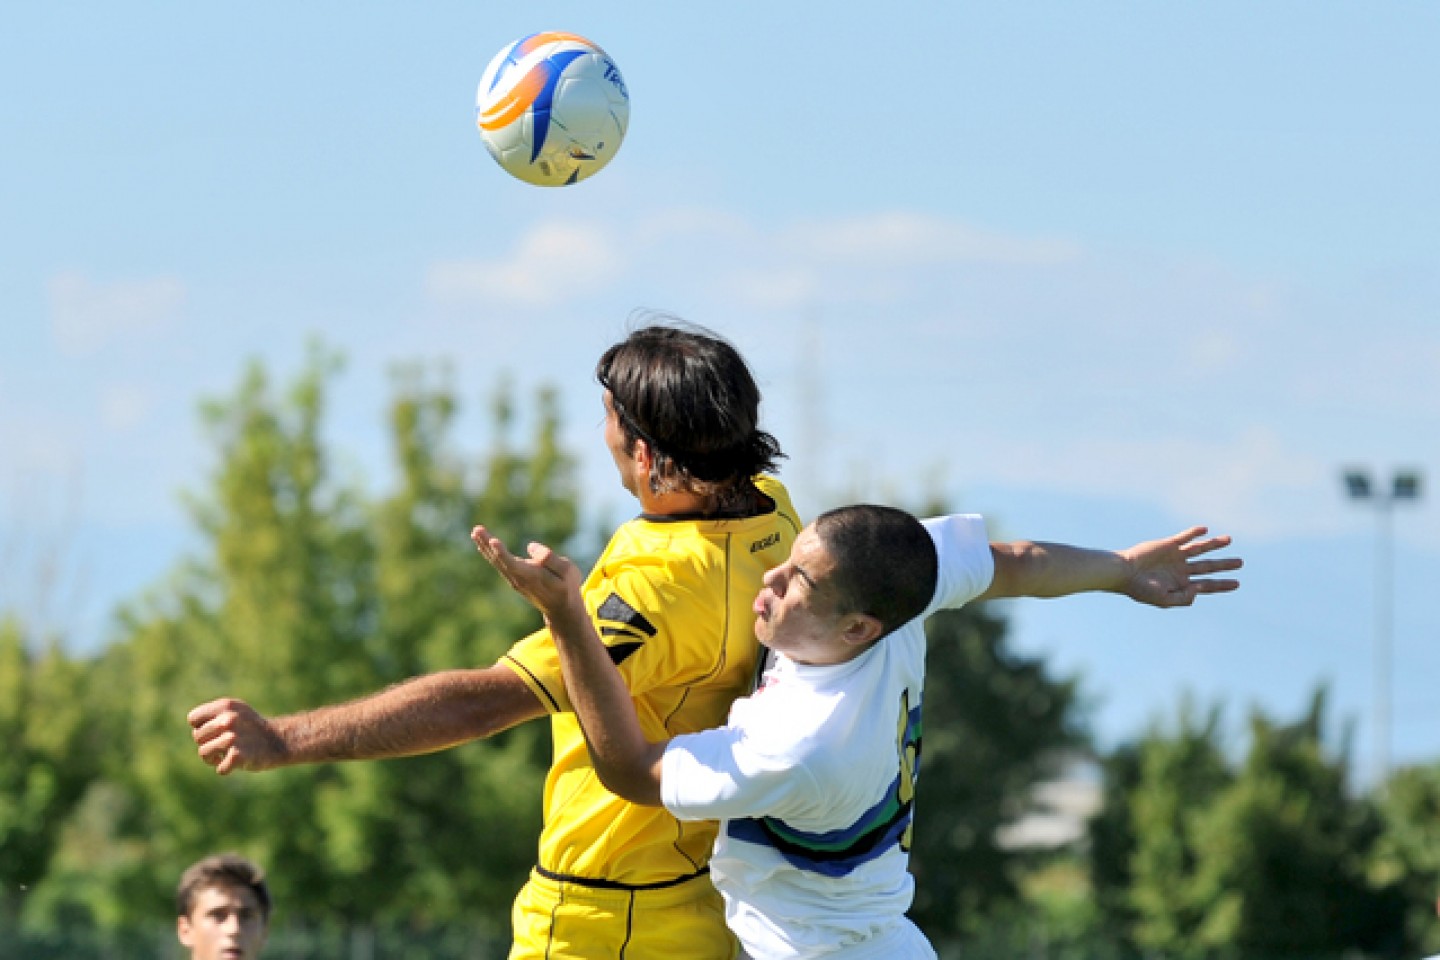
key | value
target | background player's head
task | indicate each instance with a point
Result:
(222, 909)
(853, 576)
(690, 398)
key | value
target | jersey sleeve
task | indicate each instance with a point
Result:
(659, 634)
(966, 566)
(719, 775)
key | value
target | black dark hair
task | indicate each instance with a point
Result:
(221, 870)
(885, 563)
(688, 394)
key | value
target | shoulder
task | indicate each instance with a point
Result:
(965, 564)
(645, 592)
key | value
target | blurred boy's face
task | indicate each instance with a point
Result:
(225, 923)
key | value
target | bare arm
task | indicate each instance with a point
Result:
(627, 763)
(1162, 573)
(417, 716)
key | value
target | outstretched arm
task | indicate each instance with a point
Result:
(422, 715)
(627, 763)
(1162, 573)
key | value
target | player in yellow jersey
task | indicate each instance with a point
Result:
(671, 597)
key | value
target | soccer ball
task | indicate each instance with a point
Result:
(552, 108)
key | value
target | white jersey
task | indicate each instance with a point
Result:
(814, 776)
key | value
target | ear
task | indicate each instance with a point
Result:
(183, 932)
(642, 453)
(860, 630)
(644, 460)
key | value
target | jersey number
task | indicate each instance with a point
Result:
(907, 745)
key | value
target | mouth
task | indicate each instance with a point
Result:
(760, 607)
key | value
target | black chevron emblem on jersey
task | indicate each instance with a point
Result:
(616, 610)
(620, 652)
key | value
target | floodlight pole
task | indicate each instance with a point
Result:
(1404, 485)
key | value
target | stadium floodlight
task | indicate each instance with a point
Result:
(1407, 486)
(1357, 482)
(1404, 486)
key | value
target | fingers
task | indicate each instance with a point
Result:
(1201, 568)
(214, 719)
(208, 711)
(1190, 545)
(1217, 586)
(548, 560)
(217, 748)
(213, 730)
(490, 547)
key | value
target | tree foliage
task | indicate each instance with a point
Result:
(1269, 857)
(48, 759)
(995, 723)
(305, 593)
(1406, 855)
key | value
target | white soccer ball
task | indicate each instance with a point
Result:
(552, 108)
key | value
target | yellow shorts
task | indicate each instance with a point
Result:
(564, 920)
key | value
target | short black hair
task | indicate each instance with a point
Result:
(690, 396)
(221, 870)
(885, 563)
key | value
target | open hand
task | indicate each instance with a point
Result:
(1167, 573)
(549, 581)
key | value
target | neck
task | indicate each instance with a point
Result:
(673, 503)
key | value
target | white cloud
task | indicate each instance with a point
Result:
(86, 316)
(777, 287)
(124, 406)
(688, 223)
(877, 259)
(554, 263)
(900, 238)
(1255, 483)
(874, 259)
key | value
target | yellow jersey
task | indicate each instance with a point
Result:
(671, 597)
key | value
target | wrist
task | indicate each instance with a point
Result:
(1126, 570)
(567, 619)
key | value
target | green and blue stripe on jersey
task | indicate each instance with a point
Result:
(881, 828)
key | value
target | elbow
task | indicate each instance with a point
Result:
(630, 785)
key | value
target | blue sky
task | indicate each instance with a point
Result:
(1097, 270)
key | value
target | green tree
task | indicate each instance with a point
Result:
(49, 758)
(306, 593)
(1179, 776)
(995, 722)
(1264, 859)
(1112, 844)
(1282, 853)
(1407, 853)
(276, 610)
(439, 607)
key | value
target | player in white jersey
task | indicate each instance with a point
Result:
(813, 775)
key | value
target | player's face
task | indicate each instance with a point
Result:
(615, 440)
(225, 923)
(793, 613)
